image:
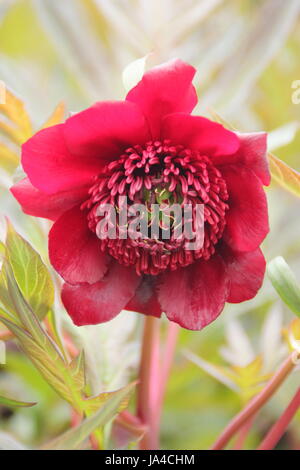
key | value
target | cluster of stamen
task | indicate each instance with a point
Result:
(160, 173)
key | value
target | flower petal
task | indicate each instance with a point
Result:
(196, 132)
(105, 130)
(49, 206)
(246, 273)
(247, 221)
(145, 299)
(49, 165)
(75, 251)
(100, 302)
(194, 296)
(252, 154)
(163, 90)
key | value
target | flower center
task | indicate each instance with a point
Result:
(158, 176)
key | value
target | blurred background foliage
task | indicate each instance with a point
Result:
(247, 56)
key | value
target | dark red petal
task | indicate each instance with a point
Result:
(49, 206)
(163, 90)
(246, 273)
(49, 165)
(247, 221)
(252, 154)
(100, 302)
(75, 251)
(145, 299)
(105, 130)
(194, 296)
(196, 132)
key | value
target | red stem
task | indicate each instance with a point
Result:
(148, 389)
(256, 403)
(243, 434)
(5, 335)
(75, 418)
(279, 428)
(171, 341)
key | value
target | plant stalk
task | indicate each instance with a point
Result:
(256, 403)
(279, 428)
(243, 434)
(149, 383)
(169, 351)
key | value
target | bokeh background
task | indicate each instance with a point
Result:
(247, 56)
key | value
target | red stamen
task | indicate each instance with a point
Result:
(186, 176)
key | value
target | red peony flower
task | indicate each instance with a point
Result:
(137, 148)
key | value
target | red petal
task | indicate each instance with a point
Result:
(74, 250)
(105, 130)
(251, 154)
(196, 132)
(100, 302)
(247, 221)
(194, 296)
(145, 300)
(49, 165)
(163, 90)
(246, 273)
(49, 206)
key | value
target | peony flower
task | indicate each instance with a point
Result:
(145, 146)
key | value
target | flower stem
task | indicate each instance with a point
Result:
(243, 434)
(279, 428)
(169, 351)
(256, 403)
(149, 378)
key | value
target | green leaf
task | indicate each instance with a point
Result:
(77, 371)
(23, 314)
(30, 273)
(221, 120)
(2, 249)
(17, 127)
(91, 405)
(68, 380)
(48, 361)
(55, 333)
(14, 403)
(284, 175)
(74, 438)
(218, 373)
(285, 283)
(6, 304)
